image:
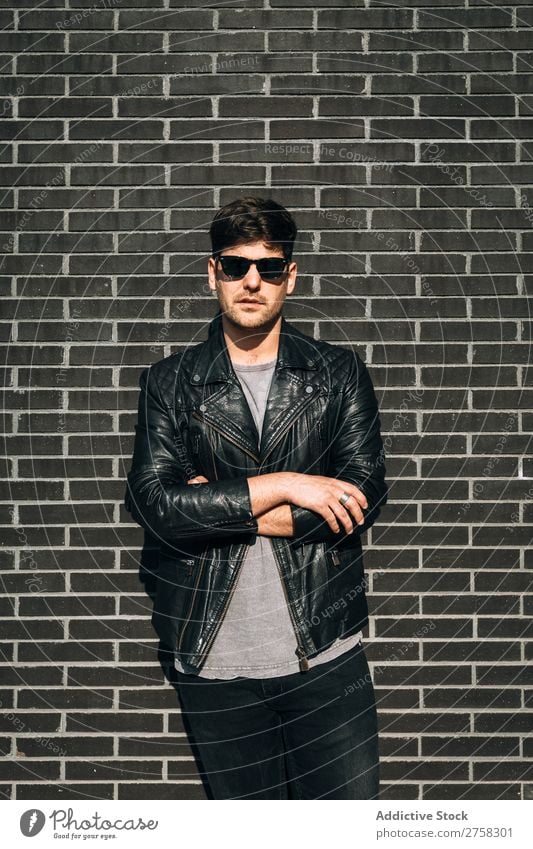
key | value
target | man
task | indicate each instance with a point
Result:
(258, 464)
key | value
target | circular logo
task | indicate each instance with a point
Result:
(31, 822)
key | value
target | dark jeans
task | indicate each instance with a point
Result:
(310, 735)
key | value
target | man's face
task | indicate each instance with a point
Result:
(268, 297)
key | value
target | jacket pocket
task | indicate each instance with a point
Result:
(346, 578)
(204, 455)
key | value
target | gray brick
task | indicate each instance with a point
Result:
(402, 140)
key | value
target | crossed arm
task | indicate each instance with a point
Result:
(160, 499)
(315, 492)
(357, 466)
(277, 521)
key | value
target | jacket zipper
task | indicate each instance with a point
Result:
(321, 438)
(224, 611)
(189, 612)
(225, 435)
(213, 460)
(283, 432)
(196, 449)
(299, 651)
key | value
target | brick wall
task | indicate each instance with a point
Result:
(400, 137)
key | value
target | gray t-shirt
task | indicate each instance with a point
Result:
(256, 638)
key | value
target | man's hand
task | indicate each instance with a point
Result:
(313, 492)
(198, 479)
(321, 494)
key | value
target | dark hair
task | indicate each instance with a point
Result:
(253, 219)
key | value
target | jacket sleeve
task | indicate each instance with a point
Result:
(157, 493)
(357, 456)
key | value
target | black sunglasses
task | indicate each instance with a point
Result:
(270, 268)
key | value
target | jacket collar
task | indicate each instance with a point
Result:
(213, 362)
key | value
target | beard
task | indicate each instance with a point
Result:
(262, 317)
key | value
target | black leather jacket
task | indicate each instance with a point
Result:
(321, 418)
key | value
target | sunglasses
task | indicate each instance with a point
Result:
(270, 268)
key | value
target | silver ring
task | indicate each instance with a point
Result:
(344, 498)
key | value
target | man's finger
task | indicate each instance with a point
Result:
(356, 493)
